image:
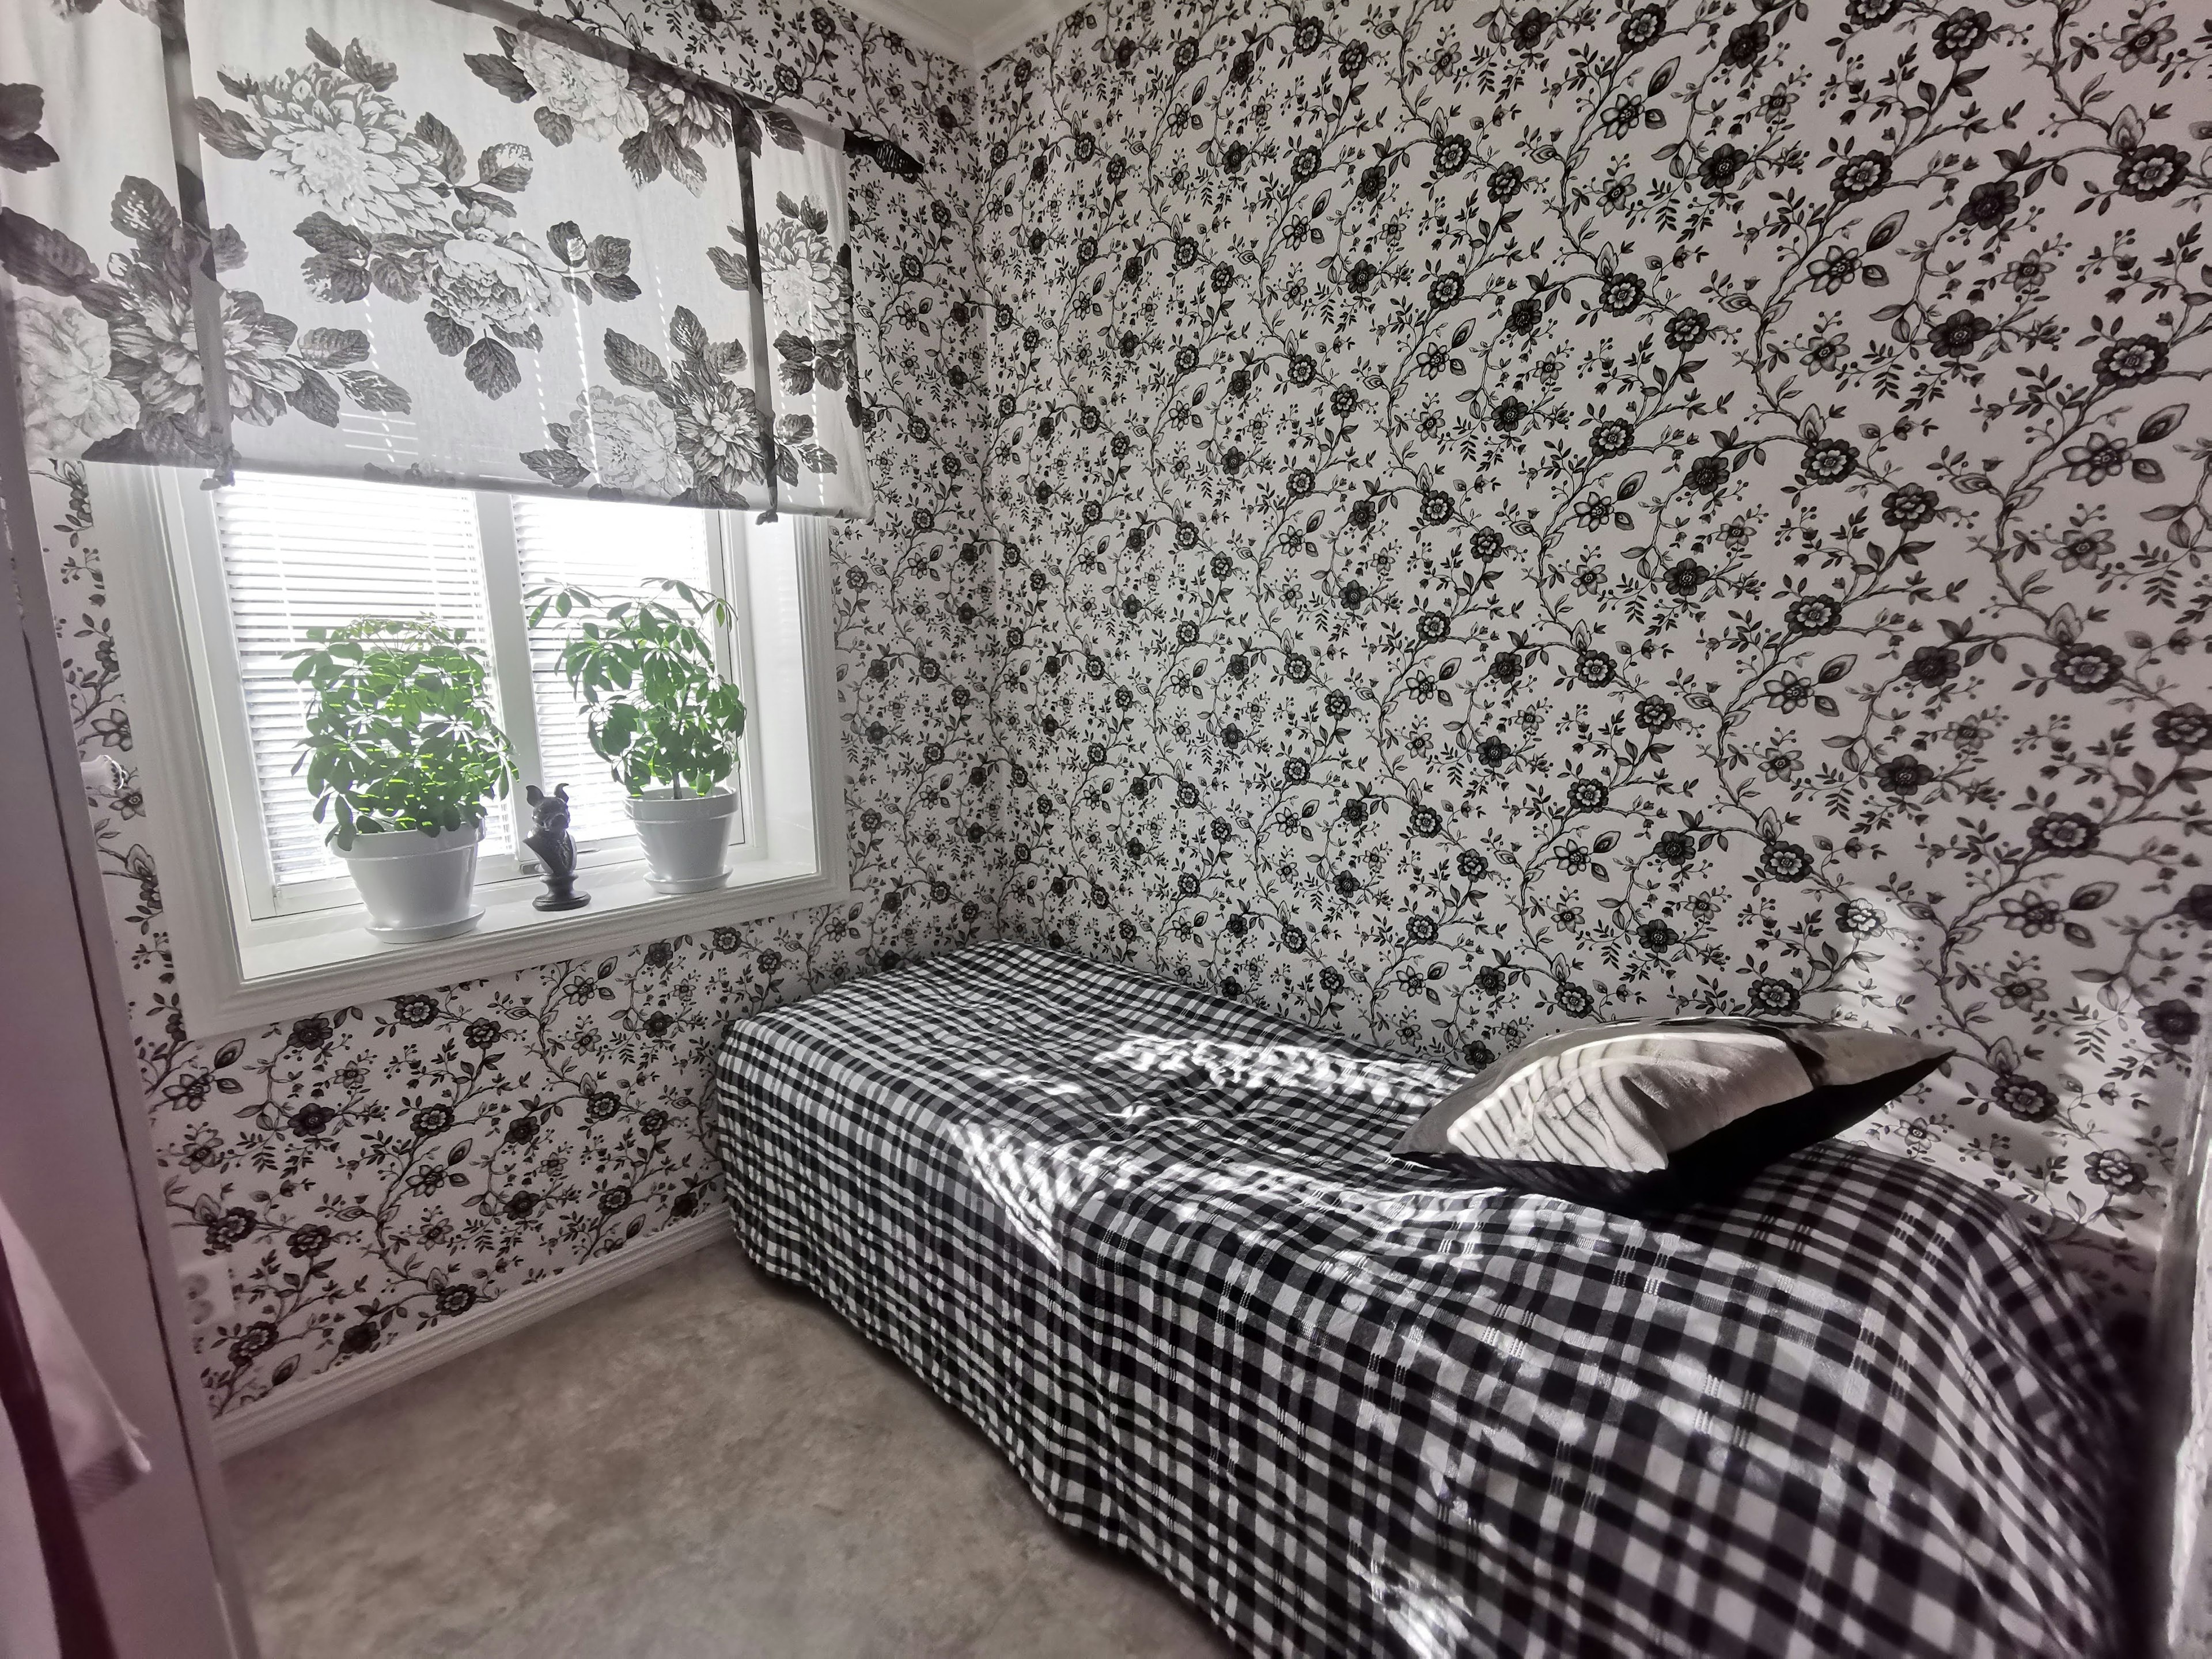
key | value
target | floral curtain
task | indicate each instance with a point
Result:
(806, 293)
(424, 242)
(98, 256)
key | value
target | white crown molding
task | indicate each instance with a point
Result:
(1028, 18)
(289, 1408)
(974, 53)
(920, 30)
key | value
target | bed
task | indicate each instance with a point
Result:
(1154, 1244)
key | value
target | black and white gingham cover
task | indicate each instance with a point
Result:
(1155, 1245)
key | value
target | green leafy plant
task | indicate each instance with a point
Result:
(659, 710)
(401, 735)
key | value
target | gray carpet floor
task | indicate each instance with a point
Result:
(698, 1465)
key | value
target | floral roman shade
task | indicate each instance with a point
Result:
(450, 244)
(100, 258)
(806, 294)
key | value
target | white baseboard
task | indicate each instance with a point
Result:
(288, 1408)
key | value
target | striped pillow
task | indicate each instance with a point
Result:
(1651, 1115)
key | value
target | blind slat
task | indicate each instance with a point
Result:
(611, 548)
(302, 553)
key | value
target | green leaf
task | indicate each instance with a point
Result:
(643, 670)
(400, 734)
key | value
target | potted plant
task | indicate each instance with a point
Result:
(402, 752)
(662, 717)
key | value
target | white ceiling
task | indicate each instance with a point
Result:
(976, 33)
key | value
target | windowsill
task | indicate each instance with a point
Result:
(329, 938)
(326, 959)
(236, 971)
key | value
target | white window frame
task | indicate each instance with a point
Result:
(246, 954)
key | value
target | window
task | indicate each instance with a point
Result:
(298, 553)
(262, 913)
(606, 548)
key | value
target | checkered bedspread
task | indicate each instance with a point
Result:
(1155, 1245)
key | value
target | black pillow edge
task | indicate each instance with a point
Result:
(1722, 1163)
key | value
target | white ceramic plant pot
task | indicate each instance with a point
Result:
(687, 841)
(416, 886)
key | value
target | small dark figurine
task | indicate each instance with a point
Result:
(557, 850)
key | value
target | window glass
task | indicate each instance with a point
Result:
(610, 549)
(303, 553)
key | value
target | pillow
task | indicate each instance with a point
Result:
(1653, 1114)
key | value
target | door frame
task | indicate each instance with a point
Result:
(77, 1159)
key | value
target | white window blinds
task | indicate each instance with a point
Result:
(300, 553)
(611, 548)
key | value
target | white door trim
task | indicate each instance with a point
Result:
(76, 1160)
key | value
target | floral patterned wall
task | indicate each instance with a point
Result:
(1511, 516)
(372, 1171)
(1494, 519)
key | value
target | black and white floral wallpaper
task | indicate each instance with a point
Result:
(1511, 515)
(371, 1171)
(1448, 522)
